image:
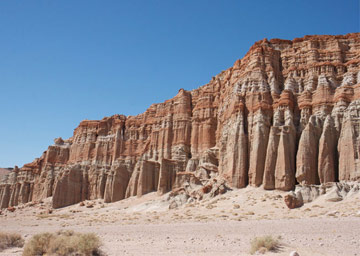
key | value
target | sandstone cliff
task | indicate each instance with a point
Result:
(286, 113)
(4, 171)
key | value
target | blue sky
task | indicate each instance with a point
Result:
(65, 61)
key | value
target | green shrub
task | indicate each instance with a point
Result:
(264, 244)
(63, 243)
(8, 240)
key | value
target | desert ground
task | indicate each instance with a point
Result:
(223, 225)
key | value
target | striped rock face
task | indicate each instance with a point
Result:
(286, 113)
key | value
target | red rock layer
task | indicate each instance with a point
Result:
(288, 112)
(3, 172)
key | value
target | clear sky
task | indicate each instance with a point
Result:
(64, 61)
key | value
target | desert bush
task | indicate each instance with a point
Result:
(236, 206)
(8, 240)
(63, 243)
(264, 244)
(60, 216)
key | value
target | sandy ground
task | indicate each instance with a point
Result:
(224, 225)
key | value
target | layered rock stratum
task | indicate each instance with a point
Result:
(4, 171)
(287, 113)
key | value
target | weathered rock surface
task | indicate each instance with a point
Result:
(286, 113)
(293, 200)
(331, 191)
(3, 172)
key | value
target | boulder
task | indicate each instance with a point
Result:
(293, 200)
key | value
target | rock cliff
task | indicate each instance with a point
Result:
(3, 172)
(287, 113)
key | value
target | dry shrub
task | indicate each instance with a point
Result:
(63, 243)
(8, 240)
(210, 206)
(264, 244)
(60, 216)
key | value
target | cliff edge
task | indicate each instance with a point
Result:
(286, 113)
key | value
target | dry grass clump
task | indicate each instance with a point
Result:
(63, 243)
(264, 244)
(8, 240)
(60, 216)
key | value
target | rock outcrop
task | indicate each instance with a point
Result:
(3, 172)
(331, 191)
(287, 113)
